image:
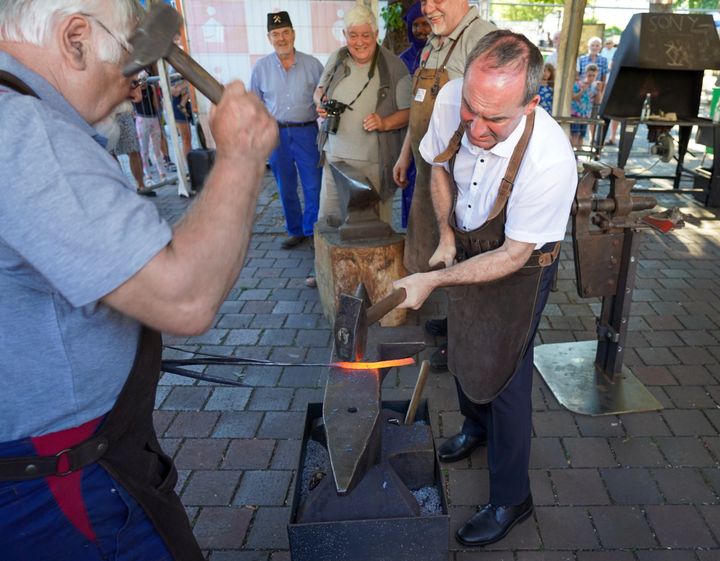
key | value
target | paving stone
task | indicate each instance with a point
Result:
(685, 451)
(679, 526)
(565, 528)
(690, 397)
(708, 555)
(170, 445)
(297, 377)
(541, 487)
(248, 454)
(210, 488)
(263, 488)
(201, 453)
(234, 321)
(657, 356)
(193, 424)
(271, 399)
(222, 527)
(304, 396)
(622, 527)
(631, 486)
(554, 423)
(603, 425)
(302, 321)
(237, 424)
(547, 453)
(278, 337)
(542, 556)
(162, 420)
(645, 424)
(287, 454)
(288, 307)
(269, 530)
(262, 376)
(711, 514)
(189, 398)
(314, 338)
(654, 375)
(243, 337)
(605, 556)
(282, 425)
(579, 487)
(237, 555)
(468, 487)
(228, 399)
(665, 555)
(683, 485)
(210, 337)
(637, 452)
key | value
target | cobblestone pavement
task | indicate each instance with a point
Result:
(636, 487)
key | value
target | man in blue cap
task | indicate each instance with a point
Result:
(285, 80)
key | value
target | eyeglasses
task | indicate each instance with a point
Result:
(137, 83)
(122, 44)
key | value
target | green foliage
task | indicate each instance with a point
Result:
(530, 13)
(696, 4)
(392, 16)
(612, 30)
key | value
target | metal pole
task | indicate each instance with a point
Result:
(180, 162)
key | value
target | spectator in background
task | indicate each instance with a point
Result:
(552, 58)
(182, 109)
(370, 131)
(285, 81)
(547, 88)
(147, 125)
(593, 56)
(585, 95)
(418, 30)
(608, 51)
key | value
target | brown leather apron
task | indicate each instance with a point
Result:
(423, 236)
(125, 445)
(490, 324)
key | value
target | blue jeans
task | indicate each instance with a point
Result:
(298, 153)
(33, 527)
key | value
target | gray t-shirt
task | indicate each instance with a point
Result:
(352, 141)
(72, 229)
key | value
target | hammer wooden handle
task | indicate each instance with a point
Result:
(417, 392)
(195, 74)
(378, 310)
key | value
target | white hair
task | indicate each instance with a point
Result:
(33, 21)
(358, 15)
(594, 40)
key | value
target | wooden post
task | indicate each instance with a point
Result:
(567, 51)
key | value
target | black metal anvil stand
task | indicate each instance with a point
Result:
(588, 377)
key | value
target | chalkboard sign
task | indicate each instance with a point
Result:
(678, 42)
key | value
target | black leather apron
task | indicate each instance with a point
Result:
(423, 236)
(490, 324)
(125, 444)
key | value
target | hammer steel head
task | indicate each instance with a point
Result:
(154, 37)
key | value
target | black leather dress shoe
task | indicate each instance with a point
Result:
(292, 241)
(458, 447)
(492, 523)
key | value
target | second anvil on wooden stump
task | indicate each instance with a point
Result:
(361, 249)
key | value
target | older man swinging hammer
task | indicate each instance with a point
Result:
(89, 275)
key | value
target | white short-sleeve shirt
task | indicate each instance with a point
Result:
(539, 206)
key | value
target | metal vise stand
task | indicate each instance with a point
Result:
(588, 377)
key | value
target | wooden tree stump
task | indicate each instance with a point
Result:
(341, 265)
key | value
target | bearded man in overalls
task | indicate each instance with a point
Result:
(456, 28)
(503, 180)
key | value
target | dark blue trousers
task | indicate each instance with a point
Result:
(507, 420)
(298, 153)
(34, 528)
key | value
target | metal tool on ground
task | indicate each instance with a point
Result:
(417, 392)
(154, 39)
(588, 377)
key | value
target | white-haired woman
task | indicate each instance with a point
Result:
(375, 86)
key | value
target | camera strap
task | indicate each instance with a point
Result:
(371, 73)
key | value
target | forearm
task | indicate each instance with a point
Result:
(318, 94)
(441, 190)
(396, 120)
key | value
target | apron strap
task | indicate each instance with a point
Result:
(452, 147)
(507, 182)
(16, 84)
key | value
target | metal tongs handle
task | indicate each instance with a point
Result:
(380, 309)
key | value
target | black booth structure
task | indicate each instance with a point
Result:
(666, 55)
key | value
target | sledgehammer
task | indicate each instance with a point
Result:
(154, 39)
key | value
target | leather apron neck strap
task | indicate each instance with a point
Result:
(507, 182)
(16, 84)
